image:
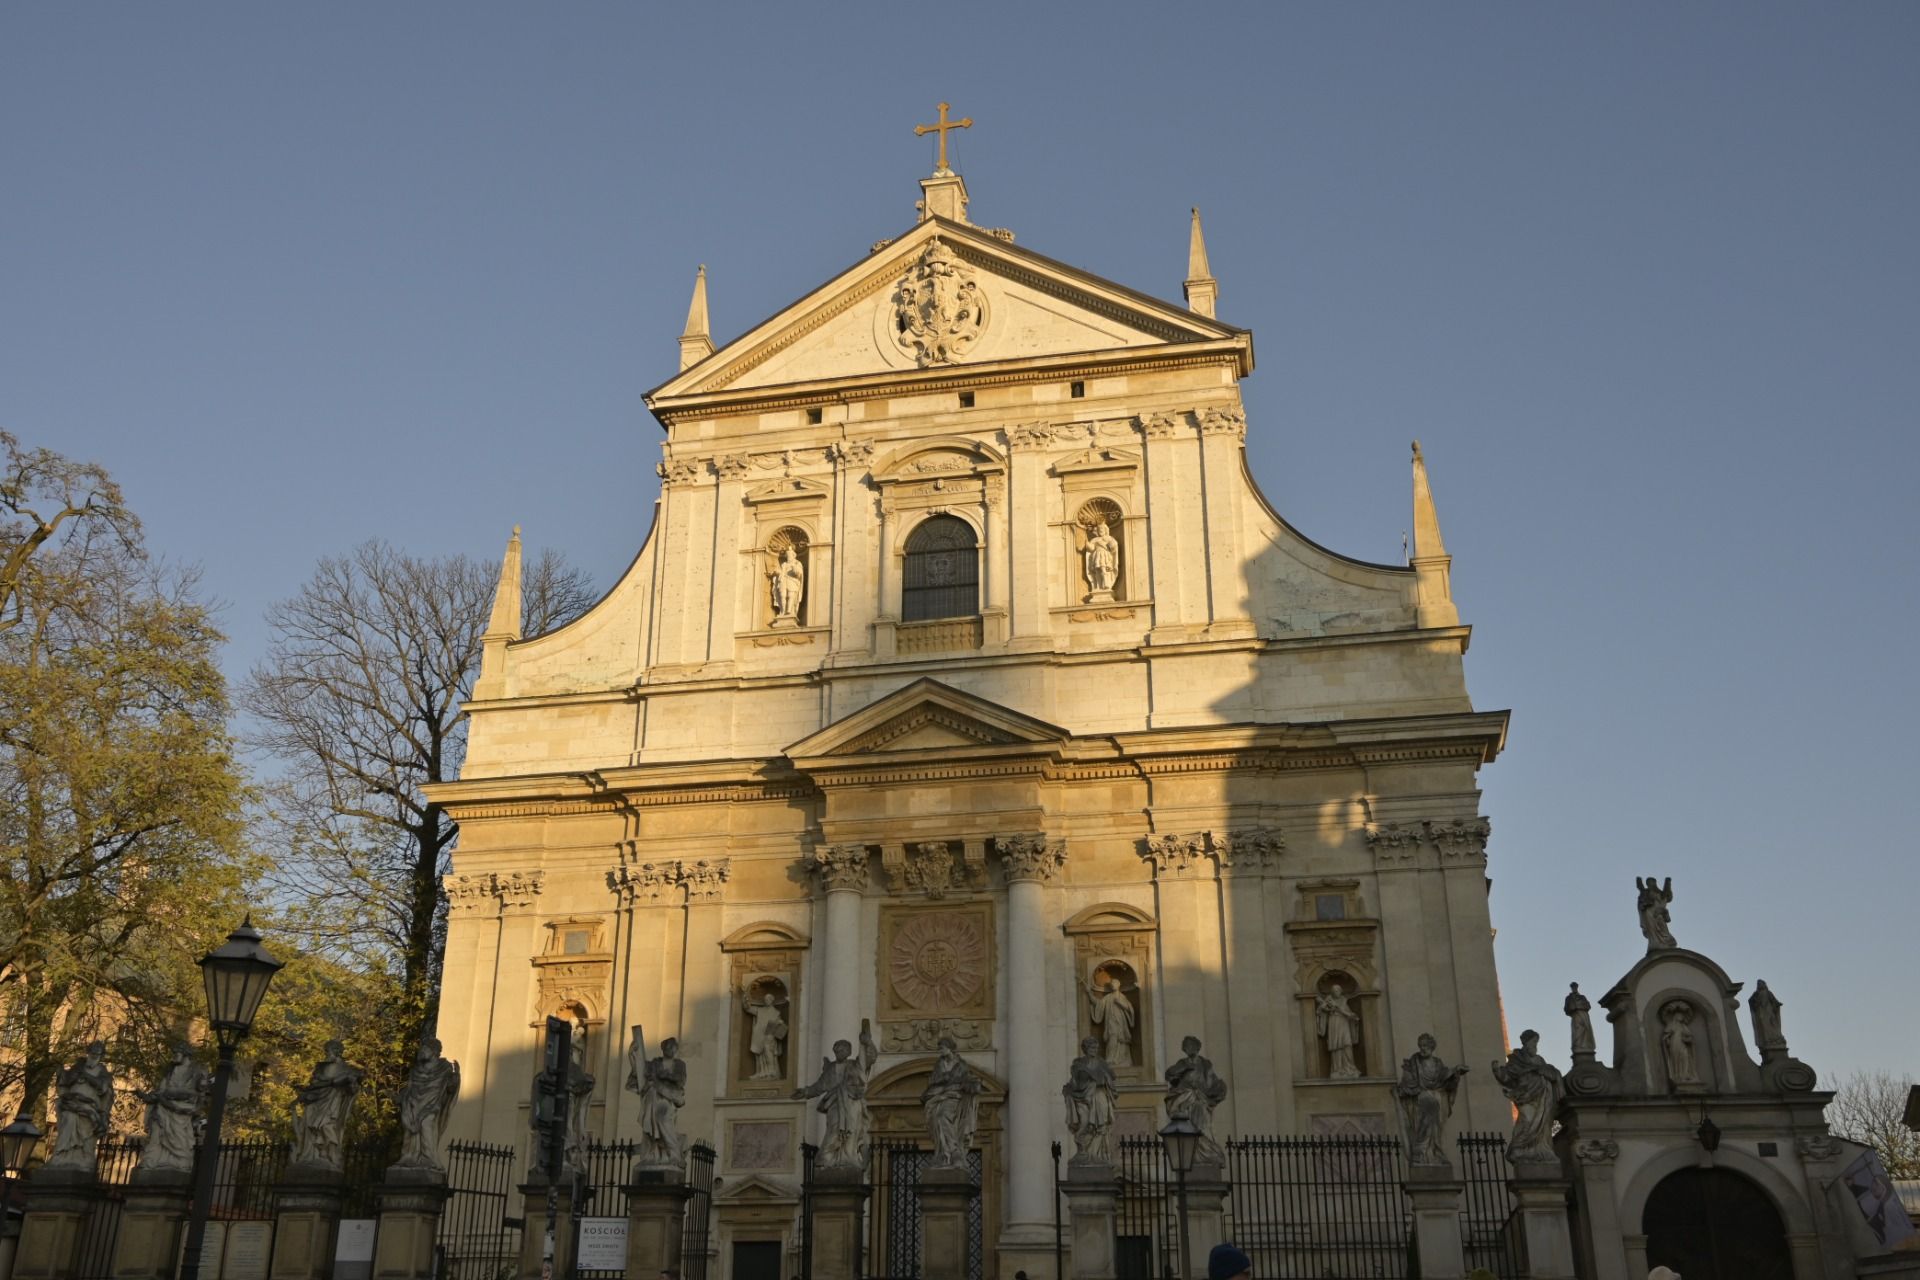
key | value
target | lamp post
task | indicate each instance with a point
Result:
(1181, 1138)
(237, 973)
(18, 1142)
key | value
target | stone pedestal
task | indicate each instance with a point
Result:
(58, 1202)
(148, 1242)
(1539, 1232)
(1093, 1195)
(306, 1219)
(1435, 1195)
(410, 1205)
(1206, 1215)
(945, 1198)
(656, 1220)
(839, 1196)
(533, 1238)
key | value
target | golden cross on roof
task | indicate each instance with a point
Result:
(922, 130)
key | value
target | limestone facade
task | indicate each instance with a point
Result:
(959, 782)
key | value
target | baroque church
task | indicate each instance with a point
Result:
(967, 685)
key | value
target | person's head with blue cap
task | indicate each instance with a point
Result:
(1227, 1262)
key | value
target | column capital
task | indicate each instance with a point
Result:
(1030, 857)
(1247, 850)
(1176, 855)
(705, 878)
(1224, 422)
(840, 867)
(644, 883)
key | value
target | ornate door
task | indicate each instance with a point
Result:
(1709, 1224)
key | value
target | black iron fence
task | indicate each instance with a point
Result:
(114, 1163)
(1484, 1218)
(1320, 1205)
(243, 1191)
(598, 1194)
(892, 1244)
(697, 1245)
(1146, 1216)
(479, 1236)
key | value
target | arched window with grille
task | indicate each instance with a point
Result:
(941, 576)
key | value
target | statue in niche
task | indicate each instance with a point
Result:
(951, 1102)
(1091, 1093)
(1676, 1043)
(172, 1106)
(767, 1034)
(789, 584)
(1101, 561)
(1764, 1007)
(1426, 1091)
(1111, 1009)
(1655, 919)
(425, 1100)
(842, 1090)
(321, 1107)
(1534, 1086)
(1579, 1011)
(85, 1107)
(1194, 1089)
(662, 1085)
(1339, 1029)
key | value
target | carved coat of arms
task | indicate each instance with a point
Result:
(940, 310)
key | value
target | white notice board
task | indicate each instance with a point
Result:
(603, 1244)
(249, 1247)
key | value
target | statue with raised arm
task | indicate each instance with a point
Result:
(1579, 1011)
(425, 1100)
(1426, 1092)
(1091, 1093)
(85, 1108)
(1194, 1089)
(842, 1090)
(1535, 1088)
(1110, 1009)
(662, 1085)
(172, 1106)
(1655, 919)
(767, 1037)
(1339, 1029)
(951, 1102)
(320, 1110)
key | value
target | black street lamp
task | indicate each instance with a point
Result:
(18, 1141)
(1181, 1138)
(237, 973)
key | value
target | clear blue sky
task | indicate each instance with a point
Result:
(1642, 278)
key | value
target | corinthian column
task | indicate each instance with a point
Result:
(1030, 863)
(842, 869)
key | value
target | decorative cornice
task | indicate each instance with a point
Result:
(1030, 857)
(1459, 838)
(1220, 422)
(840, 867)
(1247, 850)
(705, 878)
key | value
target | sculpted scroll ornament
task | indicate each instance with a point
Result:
(1597, 1151)
(939, 310)
(929, 868)
(923, 1035)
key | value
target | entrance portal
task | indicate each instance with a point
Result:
(756, 1260)
(1709, 1224)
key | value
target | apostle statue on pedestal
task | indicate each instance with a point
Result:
(1091, 1093)
(662, 1085)
(85, 1104)
(1534, 1086)
(952, 1104)
(321, 1107)
(1426, 1092)
(425, 1100)
(842, 1090)
(1194, 1089)
(172, 1106)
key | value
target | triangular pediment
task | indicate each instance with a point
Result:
(944, 298)
(927, 716)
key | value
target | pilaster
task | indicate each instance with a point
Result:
(1027, 446)
(723, 605)
(1246, 857)
(1187, 904)
(706, 996)
(1223, 433)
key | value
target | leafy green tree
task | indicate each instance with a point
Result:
(360, 697)
(119, 791)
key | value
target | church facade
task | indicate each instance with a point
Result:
(967, 685)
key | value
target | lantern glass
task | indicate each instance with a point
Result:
(1182, 1139)
(237, 974)
(18, 1142)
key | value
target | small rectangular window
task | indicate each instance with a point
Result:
(1078, 390)
(966, 399)
(1330, 906)
(813, 417)
(1769, 1148)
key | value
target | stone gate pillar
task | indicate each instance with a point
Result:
(59, 1202)
(306, 1223)
(946, 1195)
(1435, 1193)
(410, 1205)
(656, 1221)
(839, 1197)
(148, 1242)
(1539, 1226)
(1093, 1195)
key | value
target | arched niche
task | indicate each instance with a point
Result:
(765, 957)
(1099, 524)
(1115, 940)
(787, 578)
